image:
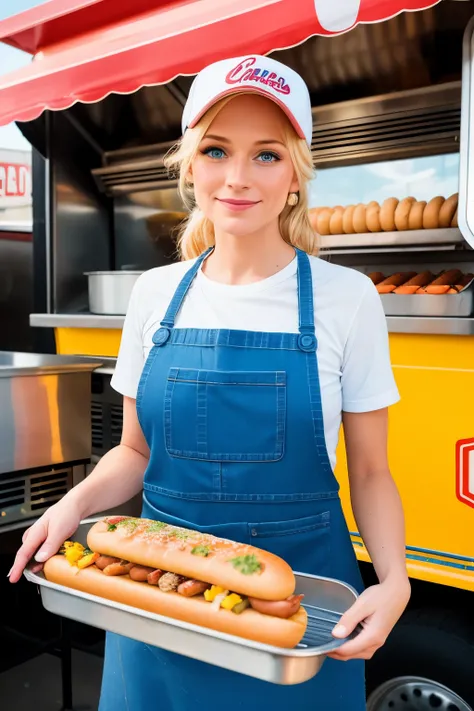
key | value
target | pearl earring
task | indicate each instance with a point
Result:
(292, 199)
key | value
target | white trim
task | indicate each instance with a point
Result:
(434, 367)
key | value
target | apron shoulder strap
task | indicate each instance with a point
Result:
(305, 293)
(181, 291)
(307, 339)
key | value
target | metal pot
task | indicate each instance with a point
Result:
(109, 292)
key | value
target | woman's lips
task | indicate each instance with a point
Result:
(237, 205)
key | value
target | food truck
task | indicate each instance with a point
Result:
(392, 88)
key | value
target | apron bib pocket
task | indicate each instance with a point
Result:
(226, 416)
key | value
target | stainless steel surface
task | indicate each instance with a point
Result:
(415, 694)
(110, 292)
(48, 234)
(44, 411)
(145, 228)
(431, 326)
(402, 124)
(442, 305)
(86, 320)
(106, 414)
(16, 290)
(381, 240)
(15, 364)
(466, 163)
(81, 225)
(129, 170)
(25, 495)
(325, 601)
(396, 324)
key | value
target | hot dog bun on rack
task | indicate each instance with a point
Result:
(393, 215)
(250, 624)
(158, 545)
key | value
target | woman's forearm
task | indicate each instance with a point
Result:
(116, 479)
(379, 515)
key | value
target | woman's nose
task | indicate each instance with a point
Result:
(238, 176)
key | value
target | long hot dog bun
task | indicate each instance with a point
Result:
(250, 624)
(322, 223)
(157, 545)
(402, 213)
(415, 218)
(448, 210)
(431, 213)
(372, 216)
(387, 214)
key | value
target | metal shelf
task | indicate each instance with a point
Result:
(414, 240)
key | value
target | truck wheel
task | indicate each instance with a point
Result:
(426, 664)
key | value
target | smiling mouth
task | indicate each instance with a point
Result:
(238, 203)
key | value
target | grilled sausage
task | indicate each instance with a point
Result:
(414, 284)
(192, 587)
(376, 277)
(442, 284)
(104, 560)
(154, 577)
(281, 608)
(390, 283)
(140, 573)
(120, 568)
(456, 288)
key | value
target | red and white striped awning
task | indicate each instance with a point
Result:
(84, 50)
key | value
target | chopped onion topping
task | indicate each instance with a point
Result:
(216, 603)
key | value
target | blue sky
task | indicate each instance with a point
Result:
(10, 59)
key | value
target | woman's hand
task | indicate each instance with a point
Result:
(377, 610)
(46, 536)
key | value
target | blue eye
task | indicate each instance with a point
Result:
(215, 153)
(268, 157)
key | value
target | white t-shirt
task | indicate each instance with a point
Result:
(353, 354)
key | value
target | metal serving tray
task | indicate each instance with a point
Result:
(461, 304)
(325, 601)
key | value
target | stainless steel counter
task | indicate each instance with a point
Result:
(76, 321)
(396, 324)
(433, 325)
(20, 364)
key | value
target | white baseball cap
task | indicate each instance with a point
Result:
(252, 73)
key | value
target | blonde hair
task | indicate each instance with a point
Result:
(197, 232)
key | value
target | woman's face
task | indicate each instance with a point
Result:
(243, 173)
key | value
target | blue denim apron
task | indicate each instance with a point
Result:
(234, 423)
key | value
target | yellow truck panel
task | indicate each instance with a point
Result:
(435, 376)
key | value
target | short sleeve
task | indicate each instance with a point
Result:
(130, 361)
(368, 382)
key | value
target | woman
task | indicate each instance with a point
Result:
(250, 462)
